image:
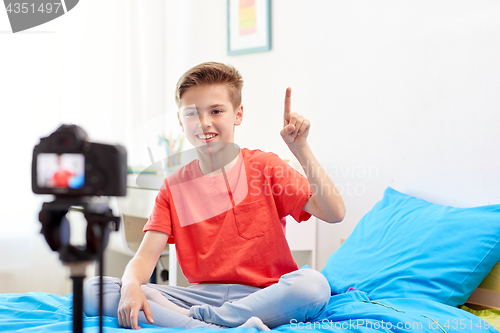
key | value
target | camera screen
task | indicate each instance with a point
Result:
(60, 171)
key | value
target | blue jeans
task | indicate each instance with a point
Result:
(301, 295)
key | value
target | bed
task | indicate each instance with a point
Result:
(409, 266)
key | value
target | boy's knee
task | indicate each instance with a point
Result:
(90, 296)
(310, 285)
(91, 293)
(91, 283)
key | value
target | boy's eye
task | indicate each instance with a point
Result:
(217, 111)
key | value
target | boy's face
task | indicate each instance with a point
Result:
(206, 115)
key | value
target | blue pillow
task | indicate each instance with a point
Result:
(408, 247)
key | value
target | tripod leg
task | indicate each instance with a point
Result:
(77, 304)
(101, 284)
(77, 274)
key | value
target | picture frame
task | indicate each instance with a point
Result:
(248, 26)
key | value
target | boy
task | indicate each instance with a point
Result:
(226, 212)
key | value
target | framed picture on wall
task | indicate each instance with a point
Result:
(248, 26)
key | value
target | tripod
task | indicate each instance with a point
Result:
(55, 228)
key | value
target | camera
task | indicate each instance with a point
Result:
(66, 164)
(75, 170)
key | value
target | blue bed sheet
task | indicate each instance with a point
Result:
(348, 312)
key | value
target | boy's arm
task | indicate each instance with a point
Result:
(326, 202)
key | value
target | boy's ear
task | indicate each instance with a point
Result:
(239, 115)
(180, 122)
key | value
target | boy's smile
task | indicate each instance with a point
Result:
(206, 137)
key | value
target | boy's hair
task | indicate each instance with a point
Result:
(211, 73)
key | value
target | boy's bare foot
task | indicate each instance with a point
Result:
(154, 295)
(255, 322)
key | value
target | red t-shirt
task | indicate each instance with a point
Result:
(230, 228)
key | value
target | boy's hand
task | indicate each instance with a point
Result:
(132, 301)
(295, 127)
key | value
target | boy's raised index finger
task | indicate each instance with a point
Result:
(288, 105)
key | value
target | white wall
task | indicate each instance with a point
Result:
(30, 98)
(400, 94)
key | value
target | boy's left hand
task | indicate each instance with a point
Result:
(295, 127)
